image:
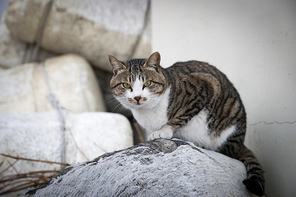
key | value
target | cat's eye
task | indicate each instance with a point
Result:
(147, 83)
(126, 85)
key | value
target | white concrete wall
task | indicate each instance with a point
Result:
(254, 43)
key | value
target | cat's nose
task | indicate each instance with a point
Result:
(137, 98)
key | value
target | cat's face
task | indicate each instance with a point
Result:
(138, 83)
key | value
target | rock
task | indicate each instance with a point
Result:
(38, 136)
(71, 78)
(14, 52)
(157, 168)
(93, 29)
(11, 49)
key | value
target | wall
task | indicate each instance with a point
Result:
(254, 43)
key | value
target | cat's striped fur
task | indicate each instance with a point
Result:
(191, 100)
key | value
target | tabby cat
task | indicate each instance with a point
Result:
(190, 100)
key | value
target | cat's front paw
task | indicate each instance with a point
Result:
(165, 132)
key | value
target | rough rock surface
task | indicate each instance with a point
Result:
(93, 29)
(71, 78)
(156, 168)
(38, 136)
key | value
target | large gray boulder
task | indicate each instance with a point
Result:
(93, 29)
(70, 77)
(38, 136)
(157, 168)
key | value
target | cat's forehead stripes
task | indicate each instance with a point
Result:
(134, 77)
(135, 69)
(135, 65)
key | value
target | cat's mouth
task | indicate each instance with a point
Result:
(138, 100)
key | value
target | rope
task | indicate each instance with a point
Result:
(51, 97)
(55, 104)
(40, 33)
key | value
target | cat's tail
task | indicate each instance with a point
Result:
(255, 181)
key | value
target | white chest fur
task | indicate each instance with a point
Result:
(196, 131)
(153, 119)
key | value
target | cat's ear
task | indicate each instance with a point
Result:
(116, 64)
(153, 60)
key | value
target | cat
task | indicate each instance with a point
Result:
(190, 100)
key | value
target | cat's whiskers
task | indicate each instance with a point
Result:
(121, 108)
(118, 108)
(112, 101)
